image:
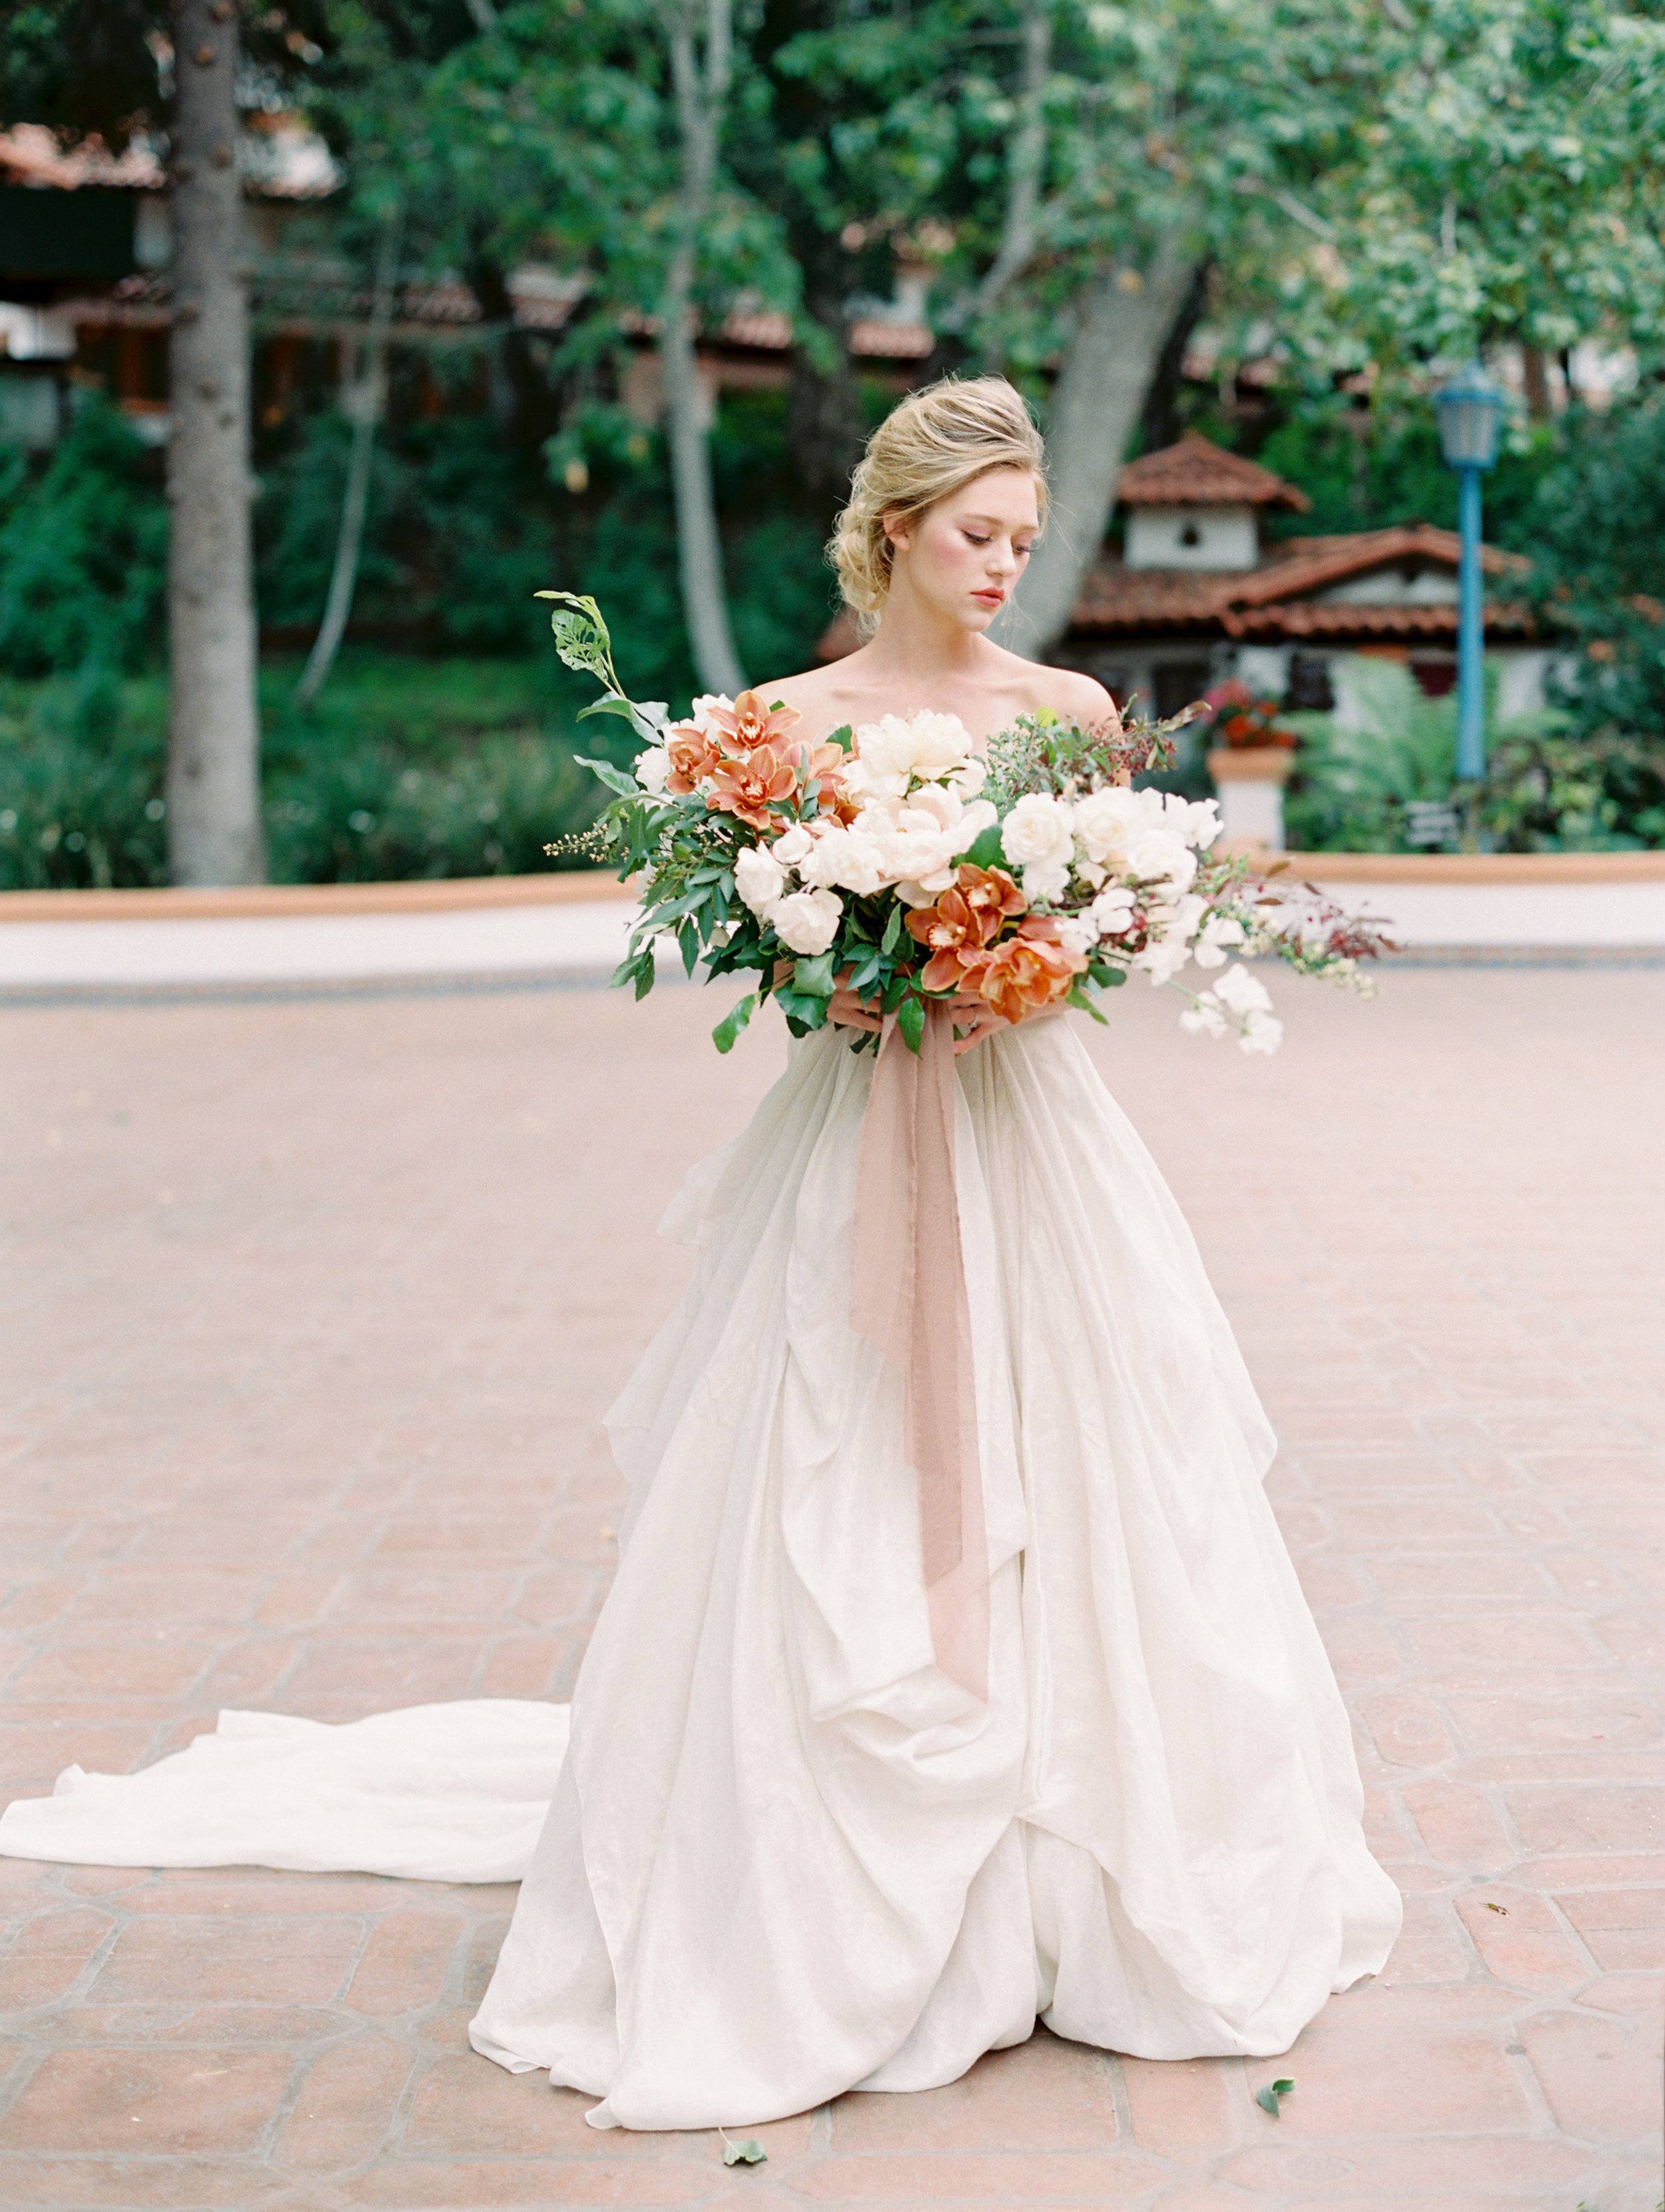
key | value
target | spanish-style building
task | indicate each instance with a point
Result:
(1200, 593)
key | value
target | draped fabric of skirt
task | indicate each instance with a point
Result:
(786, 1854)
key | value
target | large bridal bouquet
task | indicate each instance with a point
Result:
(875, 871)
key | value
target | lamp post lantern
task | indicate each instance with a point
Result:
(1470, 410)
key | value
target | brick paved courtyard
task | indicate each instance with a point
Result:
(310, 1311)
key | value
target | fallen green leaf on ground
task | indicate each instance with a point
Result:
(1267, 2099)
(749, 2153)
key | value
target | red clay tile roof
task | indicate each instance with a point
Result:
(1198, 473)
(1299, 620)
(1309, 564)
(1115, 598)
(1273, 601)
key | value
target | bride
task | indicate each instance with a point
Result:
(788, 1854)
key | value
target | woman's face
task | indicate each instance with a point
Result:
(963, 555)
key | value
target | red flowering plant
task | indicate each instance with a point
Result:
(1241, 720)
(866, 874)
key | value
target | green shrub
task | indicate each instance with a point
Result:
(80, 788)
(83, 550)
(1545, 790)
(406, 769)
(1352, 780)
(365, 817)
(1599, 568)
(1574, 794)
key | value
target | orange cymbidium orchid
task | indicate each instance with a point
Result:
(825, 765)
(965, 919)
(748, 785)
(749, 723)
(692, 753)
(1023, 973)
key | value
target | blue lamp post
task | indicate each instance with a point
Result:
(1470, 413)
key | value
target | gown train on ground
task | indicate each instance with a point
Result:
(788, 1856)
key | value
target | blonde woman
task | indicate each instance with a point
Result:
(788, 1855)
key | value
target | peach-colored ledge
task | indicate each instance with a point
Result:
(451, 893)
(1477, 867)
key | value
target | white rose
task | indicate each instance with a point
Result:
(807, 922)
(1105, 821)
(652, 766)
(794, 847)
(1243, 992)
(1157, 856)
(1037, 833)
(759, 878)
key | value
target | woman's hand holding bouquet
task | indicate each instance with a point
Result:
(875, 871)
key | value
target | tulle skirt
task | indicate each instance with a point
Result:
(786, 1854)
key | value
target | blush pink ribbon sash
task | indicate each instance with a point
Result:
(909, 1300)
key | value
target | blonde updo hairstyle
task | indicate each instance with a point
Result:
(935, 442)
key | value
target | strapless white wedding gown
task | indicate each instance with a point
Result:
(788, 1856)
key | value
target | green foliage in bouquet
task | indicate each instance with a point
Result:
(996, 886)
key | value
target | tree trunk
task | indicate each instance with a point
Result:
(1160, 424)
(825, 431)
(1534, 378)
(701, 92)
(367, 402)
(1123, 321)
(214, 824)
(1020, 223)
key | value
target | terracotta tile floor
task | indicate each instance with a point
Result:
(309, 1313)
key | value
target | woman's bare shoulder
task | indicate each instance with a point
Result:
(1079, 698)
(797, 691)
(824, 697)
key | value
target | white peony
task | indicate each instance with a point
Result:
(848, 859)
(652, 766)
(807, 922)
(759, 878)
(919, 840)
(1243, 992)
(927, 745)
(795, 846)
